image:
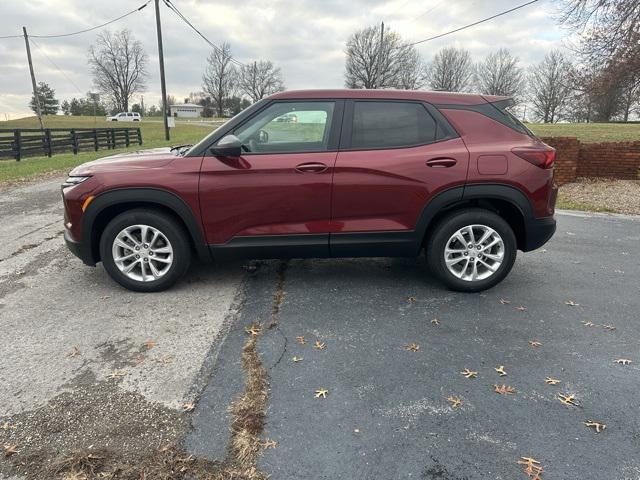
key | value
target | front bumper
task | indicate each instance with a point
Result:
(79, 249)
(538, 232)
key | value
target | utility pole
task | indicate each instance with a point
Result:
(33, 78)
(163, 86)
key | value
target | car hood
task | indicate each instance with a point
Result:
(138, 160)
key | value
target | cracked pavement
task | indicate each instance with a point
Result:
(386, 415)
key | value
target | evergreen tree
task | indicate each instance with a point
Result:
(48, 101)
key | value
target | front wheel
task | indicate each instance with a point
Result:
(145, 250)
(471, 250)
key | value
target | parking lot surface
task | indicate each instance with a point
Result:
(66, 327)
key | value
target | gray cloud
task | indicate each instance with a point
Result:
(305, 38)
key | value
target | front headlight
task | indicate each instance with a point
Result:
(74, 180)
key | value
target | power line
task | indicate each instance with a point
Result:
(96, 27)
(175, 10)
(57, 67)
(428, 11)
(475, 23)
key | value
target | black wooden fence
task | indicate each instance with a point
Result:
(25, 142)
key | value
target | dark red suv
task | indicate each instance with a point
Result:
(324, 173)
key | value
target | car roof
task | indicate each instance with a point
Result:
(443, 98)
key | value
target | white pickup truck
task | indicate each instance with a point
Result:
(125, 117)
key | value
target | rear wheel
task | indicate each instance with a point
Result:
(471, 250)
(145, 250)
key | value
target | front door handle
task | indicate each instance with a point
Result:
(311, 167)
(441, 162)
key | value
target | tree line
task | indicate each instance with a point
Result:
(555, 89)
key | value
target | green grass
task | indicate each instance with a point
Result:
(589, 132)
(152, 136)
(566, 204)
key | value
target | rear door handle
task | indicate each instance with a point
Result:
(311, 167)
(441, 162)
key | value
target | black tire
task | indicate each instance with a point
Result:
(169, 227)
(444, 230)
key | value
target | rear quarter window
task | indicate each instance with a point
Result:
(391, 124)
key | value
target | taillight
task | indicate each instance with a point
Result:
(540, 157)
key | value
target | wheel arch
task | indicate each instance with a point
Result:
(507, 201)
(111, 203)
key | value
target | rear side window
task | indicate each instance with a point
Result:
(391, 124)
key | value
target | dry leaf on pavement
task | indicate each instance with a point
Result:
(412, 347)
(571, 303)
(609, 327)
(10, 450)
(117, 374)
(188, 407)
(301, 340)
(521, 308)
(435, 321)
(588, 323)
(319, 345)
(321, 393)
(534, 343)
(149, 344)
(596, 425)
(504, 301)
(75, 352)
(297, 359)
(532, 467)
(268, 443)
(504, 389)
(551, 381)
(411, 299)
(455, 401)
(253, 329)
(469, 373)
(568, 400)
(623, 361)
(501, 371)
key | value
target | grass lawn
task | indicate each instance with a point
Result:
(589, 132)
(152, 136)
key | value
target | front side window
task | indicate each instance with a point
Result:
(288, 127)
(391, 125)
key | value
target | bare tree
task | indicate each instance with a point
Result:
(260, 79)
(500, 74)
(378, 58)
(219, 78)
(451, 70)
(119, 67)
(550, 86)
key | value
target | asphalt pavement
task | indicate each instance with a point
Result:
(386, 414)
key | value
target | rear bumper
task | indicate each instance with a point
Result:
(538, 232)
(79, 249)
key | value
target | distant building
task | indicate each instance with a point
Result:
(186, 110)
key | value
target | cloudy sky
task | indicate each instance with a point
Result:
(306, 38)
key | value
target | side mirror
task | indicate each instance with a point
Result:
(228, 146)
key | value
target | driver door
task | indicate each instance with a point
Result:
(275, 199)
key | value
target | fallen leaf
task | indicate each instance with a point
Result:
(319, 345)
(117, 373)
(568, 400)
(297, 359)
(411, 299)
(165, 360)
(551, 381)
(623, 361)
(412, 347)
(618, 271)
(504, 301)
(75, 352)
(455, 401)
(501, 371)
(188, 407)
(356, 430)
(571, 303)
(611, 328)
(532, 467)
(254, 329)
(269, 444)
(589, 323)
(321, 393)
(10, 450)
(139, 359)
(469, 373)
(544, 250)
(534, 343)
(504, 389)
(435, 321)
(301, 340)
(149, 344)
(521, 308)
(105, 297)
(596, 425)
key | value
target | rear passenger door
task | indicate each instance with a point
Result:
(394, 157)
